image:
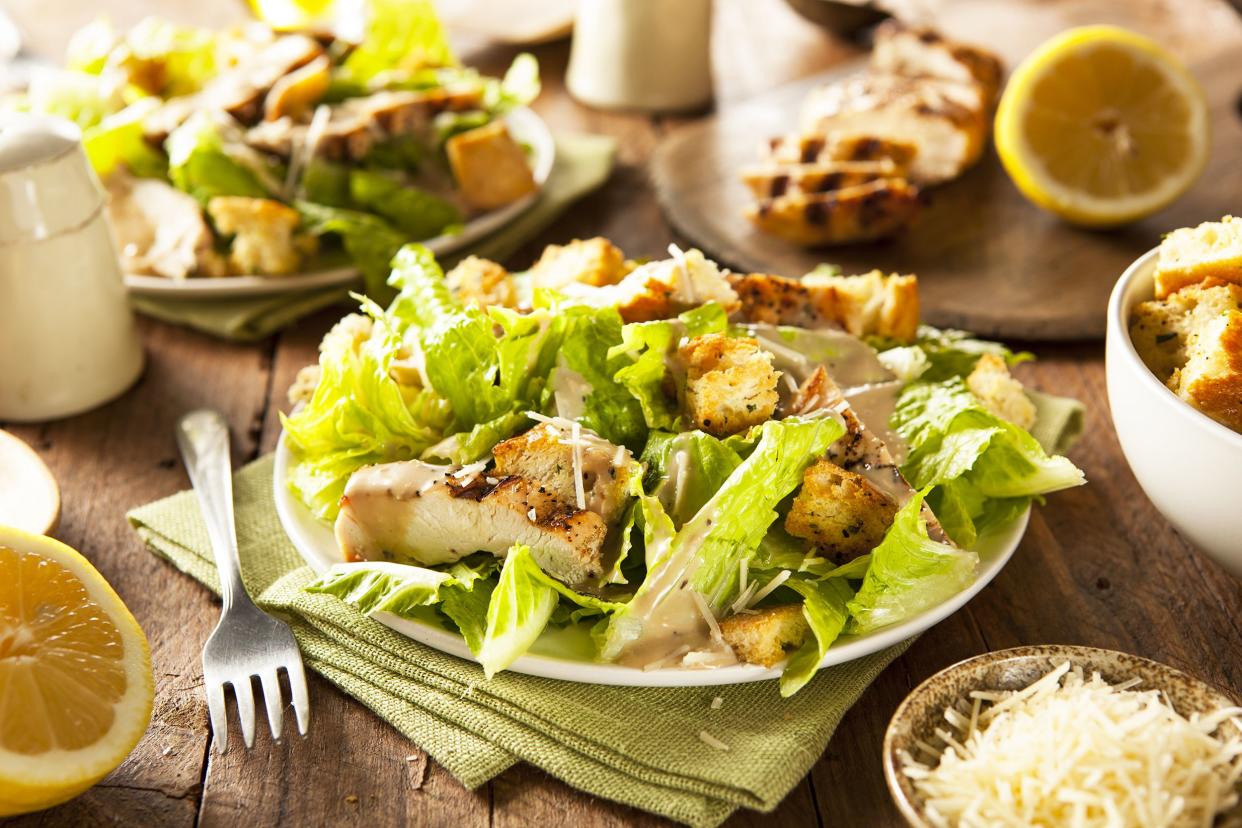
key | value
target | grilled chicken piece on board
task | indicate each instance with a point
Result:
(818, 148)
(943, 119)
(775, 180)
(861, 213)
(871, 304)
(921, 52)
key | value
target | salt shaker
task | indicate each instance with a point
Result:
(652, 55)
(67, 338)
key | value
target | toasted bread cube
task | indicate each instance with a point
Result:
(482, 282)
(490, 167)
(1213, 250)
(545, 456)
(594, 261)
(730, 384)
(999, 392)
(767, 636)
(839, 512)
(1161, 329)
(264, 233)
(1211, 381)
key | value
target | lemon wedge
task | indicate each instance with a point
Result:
(1102, 126)
(75, 674)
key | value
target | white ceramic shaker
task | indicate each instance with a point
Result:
(67, 338)
(652, 55)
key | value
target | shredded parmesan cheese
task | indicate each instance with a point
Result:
(717, 703)
(711, 741)
(683, 267)
(471, 471)
(780, 578)
(531, 514)
(708, 615)
(1072, 750)
(579, 487)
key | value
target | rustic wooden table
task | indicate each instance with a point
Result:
(1098, 566)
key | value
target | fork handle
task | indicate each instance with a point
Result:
(203, 437)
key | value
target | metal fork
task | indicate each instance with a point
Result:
(247, 643)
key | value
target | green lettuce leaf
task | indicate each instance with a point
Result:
(983, 467)
(165, 59)
(416, 213)
(201, 163)
(519, 86)
(369, 241)
(825, 607)
(402, 37)
(118, 140)
(521, 606)
(80, 97)
(710, 547)
(909, 573)
(947, 353)
(326, 183)
(686, 469)
(358, 416)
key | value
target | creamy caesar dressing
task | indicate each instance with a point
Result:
(570, 390)
(848, 360)
(874, 404)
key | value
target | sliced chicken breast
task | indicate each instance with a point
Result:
(922, 52)
(864, 212)
(818, 148)
(945, 120)
(776, 180)
(419, 513)
(159, 229)
(873, 303)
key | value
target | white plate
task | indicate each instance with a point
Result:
(566, 653)
(527, 128)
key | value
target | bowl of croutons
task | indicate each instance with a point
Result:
(1174, 372)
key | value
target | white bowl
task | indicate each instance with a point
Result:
(1187, 463)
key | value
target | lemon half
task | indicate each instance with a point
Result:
(1102, 126)
(75, 674)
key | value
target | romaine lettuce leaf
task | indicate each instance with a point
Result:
(994, 467)
(202, 164)
(118, 139)
(80, 97)
(686, 469)
(824, 605)
(369, 241)
(947, 353)
(358, 416)
(402, 36)
(326, 183)
(416, 213)
(521, 607)
(591, 394)
(909, 573)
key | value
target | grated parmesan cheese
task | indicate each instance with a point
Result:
(781, 577)
(711, 741)
(717, 703)
(579, 487)
(1072, 750)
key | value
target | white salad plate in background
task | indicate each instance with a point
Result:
(527, 127)
(567, 653)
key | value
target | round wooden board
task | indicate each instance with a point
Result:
(987, 260)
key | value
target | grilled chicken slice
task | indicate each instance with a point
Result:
(551, 455)
(296, 93)
(861, 451)
(662, 289)
(159, 229)
(818, 148)
(358, 124)
(855, 214)
(776, 180)
(943, 119)
(870, 304)
(415, 512)
(921, 52)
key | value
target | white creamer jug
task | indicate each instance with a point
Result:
(67, 338)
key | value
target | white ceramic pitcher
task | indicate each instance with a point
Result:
(67, 338)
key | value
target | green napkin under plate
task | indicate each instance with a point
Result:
(583, 163)
(653, 748)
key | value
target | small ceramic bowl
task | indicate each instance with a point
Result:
(922, 711)
(1187, 463)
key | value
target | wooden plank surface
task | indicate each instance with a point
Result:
(1098, 566)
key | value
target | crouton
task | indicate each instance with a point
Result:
(866, 305)
(1161, 329)
(545, 456)
(490, 167)
(839, 512)
(1213, 250)
(1211, 381)
(767, 636)
(662, 289)
(482, 282)
(999, 392)
(730, 383)
(264, 234)
(594, 261)
(862, 212)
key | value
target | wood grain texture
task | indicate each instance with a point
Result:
(1098, 565)
(988, 259)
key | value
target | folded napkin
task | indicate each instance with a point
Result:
(652, 748)
(583, 163)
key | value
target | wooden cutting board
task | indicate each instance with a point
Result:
(987, 260)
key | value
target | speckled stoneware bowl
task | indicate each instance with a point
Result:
(923, 710)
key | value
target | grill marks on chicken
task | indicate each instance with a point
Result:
(867, 144)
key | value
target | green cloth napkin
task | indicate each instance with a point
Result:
(639, 746)
(583, 163)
